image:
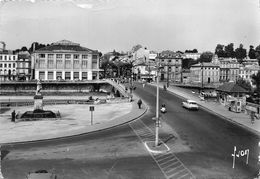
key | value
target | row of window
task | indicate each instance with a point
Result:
(67, 56)
(5, 65)
(68, 64)
(8, 57)
(50, 75)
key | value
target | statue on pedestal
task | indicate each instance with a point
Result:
(38, 105)
(39, 87)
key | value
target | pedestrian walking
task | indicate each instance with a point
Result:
(139, 102)
(13, 116)
(253, 116)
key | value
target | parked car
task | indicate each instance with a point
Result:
(41, 174)
(190, 104)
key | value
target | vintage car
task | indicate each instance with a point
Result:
(190, 104)
(41, 174)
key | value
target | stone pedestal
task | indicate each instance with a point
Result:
(38, 105)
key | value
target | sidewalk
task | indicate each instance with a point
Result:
(240, 119)
(75, 121)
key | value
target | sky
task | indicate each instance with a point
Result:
(106, 25)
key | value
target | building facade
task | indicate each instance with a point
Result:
(8, 65)
(23, 69)
(229, 70)
(67, 61)
(204, 73)
(194, 56)
(172, 66)
(246, 72)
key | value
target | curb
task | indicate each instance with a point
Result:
(156, 151)
(221, 116)
(80, 134)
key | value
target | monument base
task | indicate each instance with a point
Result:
(38, 115)
(38, 105)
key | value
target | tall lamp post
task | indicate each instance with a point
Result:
(157, 124)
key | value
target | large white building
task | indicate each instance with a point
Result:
(66, 60)
(8, 65)
(204, 73)
(229, 69)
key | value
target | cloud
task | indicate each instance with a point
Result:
(85, 6)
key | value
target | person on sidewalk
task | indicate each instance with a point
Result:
(253, 116)
(13, 116)
(139, 102)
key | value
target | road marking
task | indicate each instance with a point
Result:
(168, 163)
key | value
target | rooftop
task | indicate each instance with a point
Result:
(231, 87)
(65, 45)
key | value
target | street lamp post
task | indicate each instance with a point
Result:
(157, 106)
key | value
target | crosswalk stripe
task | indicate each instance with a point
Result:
(178, 172)
(168, 163)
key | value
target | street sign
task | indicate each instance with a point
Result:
(91, 108)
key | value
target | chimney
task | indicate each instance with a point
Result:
(4, 46)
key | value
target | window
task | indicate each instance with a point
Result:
(50, 75)
(58, 56)
(10, 58)
(5, 57)
(14, 57)
(84, 56)
(94, 65)
(10, 65)
(67, 75)
(67, 64)
(169, 61)
(76, 56)
(76, 75)
(59, 64)
(59, 75)
(1, 65)
(50, 64)
(1, 57)
(42, 55)
(84, 63)
(42, 75)
(41, 63)
(50, 56)
(84, 75)
(13, 65)
(67, 56)
(94, 57)
(5, 65)
(76, 64)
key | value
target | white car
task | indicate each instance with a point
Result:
(41, 174)
(190, 104)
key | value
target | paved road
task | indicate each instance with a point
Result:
(211, 139)
(201, 143)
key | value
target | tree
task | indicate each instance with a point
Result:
(229, 51)
(256, 81)
(252, 52)
(219, 51)
(244, 84)
(188, 62)
(240, 53)
(24, 49)
(206, 57)
(37, 46)
(136, 47)
(191, 51)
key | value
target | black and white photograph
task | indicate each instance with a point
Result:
(130, 89)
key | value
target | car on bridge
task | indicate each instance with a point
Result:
(190, 104)
(41, 174)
